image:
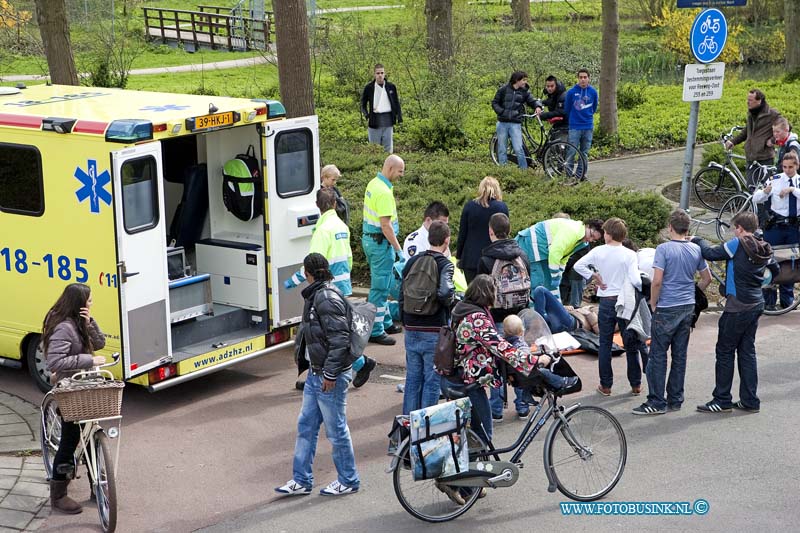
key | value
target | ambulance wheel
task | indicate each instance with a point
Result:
(37, 366)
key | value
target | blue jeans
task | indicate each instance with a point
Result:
(737, 337)
(381, 260)
(328, 408)
(422, 382)
(670, 327)
(546, 304)
(514, 131)
(606, 319)
(576, 287)
(582, 140)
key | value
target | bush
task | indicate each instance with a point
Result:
(454, 181)
(630, 95)
(763, 46)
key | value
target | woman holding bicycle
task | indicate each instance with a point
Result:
(477, 345)
(69, 338)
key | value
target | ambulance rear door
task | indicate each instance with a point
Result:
(141, 257)
(292, 179)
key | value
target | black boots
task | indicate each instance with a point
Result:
(59, 499)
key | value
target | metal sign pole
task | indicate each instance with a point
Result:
(688, 158)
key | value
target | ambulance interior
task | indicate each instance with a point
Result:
(217, 263)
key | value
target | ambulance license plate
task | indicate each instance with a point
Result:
(213, 121)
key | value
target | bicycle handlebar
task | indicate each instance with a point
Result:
(728, 136)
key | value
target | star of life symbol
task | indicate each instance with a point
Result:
(93, 185)
(361, 325)
(162, 108)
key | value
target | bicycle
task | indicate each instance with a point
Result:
(550, 151)
(716, 268)
(585, 452)
(94, 447)
(716, 183)
(741, 202)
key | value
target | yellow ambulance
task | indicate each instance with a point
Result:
(131, 193)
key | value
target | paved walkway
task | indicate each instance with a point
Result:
(24, 491)
(644, 172)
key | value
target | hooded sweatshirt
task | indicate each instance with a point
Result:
(746, 258)
(506, 249)
(580, 105)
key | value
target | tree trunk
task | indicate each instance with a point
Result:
(294, 57)
(439, 18)
(791, 17)
(521, 9)
(608, 68)
(51, 15)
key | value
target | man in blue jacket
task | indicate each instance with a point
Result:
(746, 257)
(580, 106)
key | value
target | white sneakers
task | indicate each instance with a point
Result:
(292, 488)
(337, 489)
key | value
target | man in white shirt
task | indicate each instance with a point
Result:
(611, 266)
(380, 105)
(783, 193)
(417, 242)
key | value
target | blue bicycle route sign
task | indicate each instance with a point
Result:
(708, 36)
(710, 3)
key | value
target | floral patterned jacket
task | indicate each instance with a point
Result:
(478, 343)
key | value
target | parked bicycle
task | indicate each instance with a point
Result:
(548, 150)
(716, 183)
(742, 201)
(88, 398)
(584, 451)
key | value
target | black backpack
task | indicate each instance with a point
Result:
(420, 287)
(242, 186)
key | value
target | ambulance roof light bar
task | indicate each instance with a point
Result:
(129, 131)
(275, 109)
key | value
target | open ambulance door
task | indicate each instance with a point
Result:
(292, 179)
(141, 257)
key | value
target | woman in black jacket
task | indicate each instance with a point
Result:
(326, 346)
(473, 228)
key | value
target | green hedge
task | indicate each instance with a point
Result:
(454, 181)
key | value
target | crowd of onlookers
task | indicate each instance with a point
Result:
(417, 285)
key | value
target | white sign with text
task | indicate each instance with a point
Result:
(703, 82)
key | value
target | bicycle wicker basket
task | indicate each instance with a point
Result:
(88, 400)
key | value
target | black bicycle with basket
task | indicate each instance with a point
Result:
(584, 450)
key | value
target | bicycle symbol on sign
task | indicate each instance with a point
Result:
(708, 44)
(709, 24)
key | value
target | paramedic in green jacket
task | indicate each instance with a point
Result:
(379, 240)
(331, 239)
(549, 244)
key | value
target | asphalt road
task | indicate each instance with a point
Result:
(209, 453)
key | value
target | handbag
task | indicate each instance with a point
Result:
(444, 355)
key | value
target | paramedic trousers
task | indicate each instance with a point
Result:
(381, 259)
(327, 408)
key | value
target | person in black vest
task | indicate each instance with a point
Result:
(423, 384)
(380, 105)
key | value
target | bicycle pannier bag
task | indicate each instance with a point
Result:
(439, 440)
(420, 287)
(444, 355)
(513, 283)
(242, 186)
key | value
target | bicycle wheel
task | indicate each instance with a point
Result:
(534, 139)
(588, 460)
(555, 160)
(425, 499)
(734, 205)
(50, 436)
(105, 487)
(713, 186)
(512, 157)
